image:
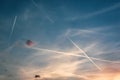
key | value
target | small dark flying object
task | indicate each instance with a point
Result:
(37, 76)
(29, 43)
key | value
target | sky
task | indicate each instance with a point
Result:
(72, 39)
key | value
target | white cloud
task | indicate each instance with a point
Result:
(56, 66)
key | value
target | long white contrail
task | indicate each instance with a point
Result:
(85, 54)
(104, 10)
(54, 51)
(11, 32)
(99, 12)
(71, 54)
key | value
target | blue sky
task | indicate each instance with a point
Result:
(91, 24)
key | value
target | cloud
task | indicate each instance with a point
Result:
(54, 66)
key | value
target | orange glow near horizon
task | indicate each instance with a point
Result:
(65, 71)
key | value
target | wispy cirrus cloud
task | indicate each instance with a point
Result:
(52, 66)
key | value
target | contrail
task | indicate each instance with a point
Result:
(104, 60)
(35, 4)
(66, 53)
(104, 10)
(99, 12)
(13, 26)
(85, 54)
(71, 54)
(45, 14)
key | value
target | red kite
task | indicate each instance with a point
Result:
(29, 43)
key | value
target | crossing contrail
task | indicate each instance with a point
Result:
(11, 32)
(71, 54)
(85, 54)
